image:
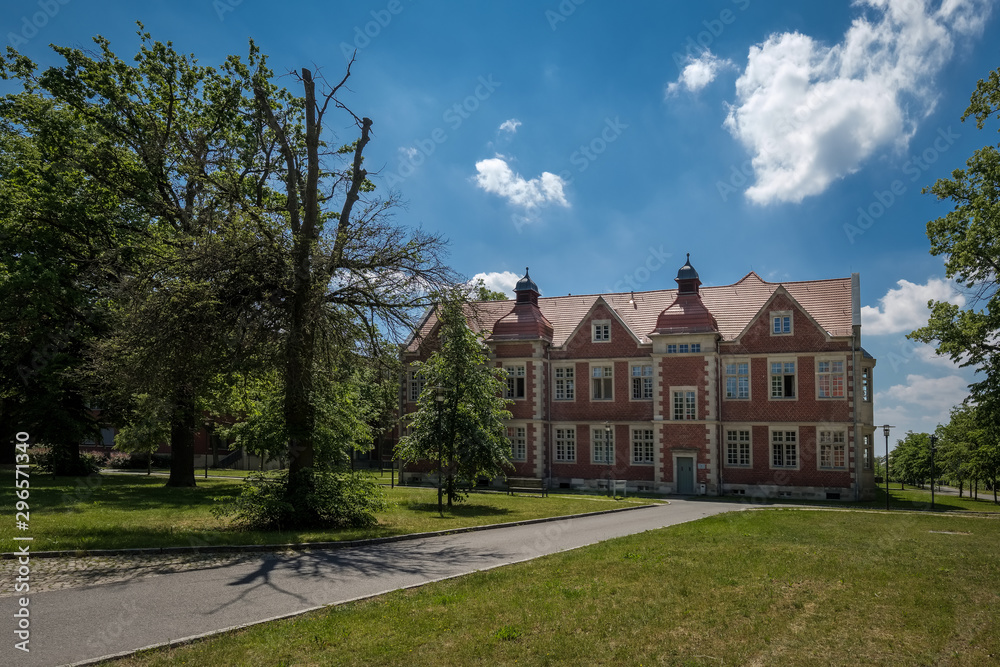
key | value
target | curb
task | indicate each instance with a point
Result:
(303, 546)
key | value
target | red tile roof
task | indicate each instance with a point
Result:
(732, 306)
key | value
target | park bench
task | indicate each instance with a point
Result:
(526, 485)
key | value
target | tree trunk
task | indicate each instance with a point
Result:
(182, 427)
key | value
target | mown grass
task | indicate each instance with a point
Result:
(772, 587)
(920, 499)
(126, 511)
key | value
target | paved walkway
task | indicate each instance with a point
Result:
(121, 604)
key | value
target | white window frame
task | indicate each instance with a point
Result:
(514, 372)
(643, 446)
(604, 378)
(783, 318)
(779, 436)
(565, 440)
(597, 434)
(518, 436)
(414, 386)
(784, 361)
(600, 331)
(737, 447)
(830, 440)
(737, 375)
(866, 383)
(645, 379)
(689, 403)
(831, 374)
(568, 383)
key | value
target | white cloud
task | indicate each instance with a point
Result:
(698, 73)
(928, 354)
(499, 281)
(905, 309)
(510, 125)
(496, 177)
(920, 404)
(810, 113)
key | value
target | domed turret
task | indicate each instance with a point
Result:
(687, 278)
(525, 321)
(687, 314)
(526, 290)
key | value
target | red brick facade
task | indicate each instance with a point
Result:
(752, 388)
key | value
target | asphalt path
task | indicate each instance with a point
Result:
(76, 626)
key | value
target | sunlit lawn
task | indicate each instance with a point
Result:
(123, 511)
(772, 587)
(920, 499)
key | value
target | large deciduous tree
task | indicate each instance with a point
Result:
(347, 256)
(178, 150)
(64, 238)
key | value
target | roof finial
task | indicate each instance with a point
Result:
(689, 258)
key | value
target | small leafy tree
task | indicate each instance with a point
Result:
(147, 428)
(459, 423)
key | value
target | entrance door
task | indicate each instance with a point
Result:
(685, 475)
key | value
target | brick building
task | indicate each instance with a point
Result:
(753, 388)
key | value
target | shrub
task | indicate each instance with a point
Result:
(57, 461)
(325, 499)
(136, 460)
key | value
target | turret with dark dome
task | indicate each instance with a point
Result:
(525, 286)
(525, 321)
(687, 278)
(687, 314)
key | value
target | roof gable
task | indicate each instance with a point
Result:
(826, 302)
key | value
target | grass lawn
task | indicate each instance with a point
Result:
(918, 499)
(121, 511)
(772, 587)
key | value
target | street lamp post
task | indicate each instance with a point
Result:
(885, 429)
(607, 455)
(933, 449)
(439, 397)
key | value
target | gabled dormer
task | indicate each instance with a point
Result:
(525, 321)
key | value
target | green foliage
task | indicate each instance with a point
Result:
(147, 428)
(910, 461)
(58, 461)
(480, 292)
(321, 499)
(459, 423)
(968, 237)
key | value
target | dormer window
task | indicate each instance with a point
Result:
(781, 323)
(601, 330)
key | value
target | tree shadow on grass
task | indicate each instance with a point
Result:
(460, 510)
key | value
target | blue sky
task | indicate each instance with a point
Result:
(585, 139)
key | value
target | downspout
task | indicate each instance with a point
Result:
(856, 376)
(548, 413)
(718, 412)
